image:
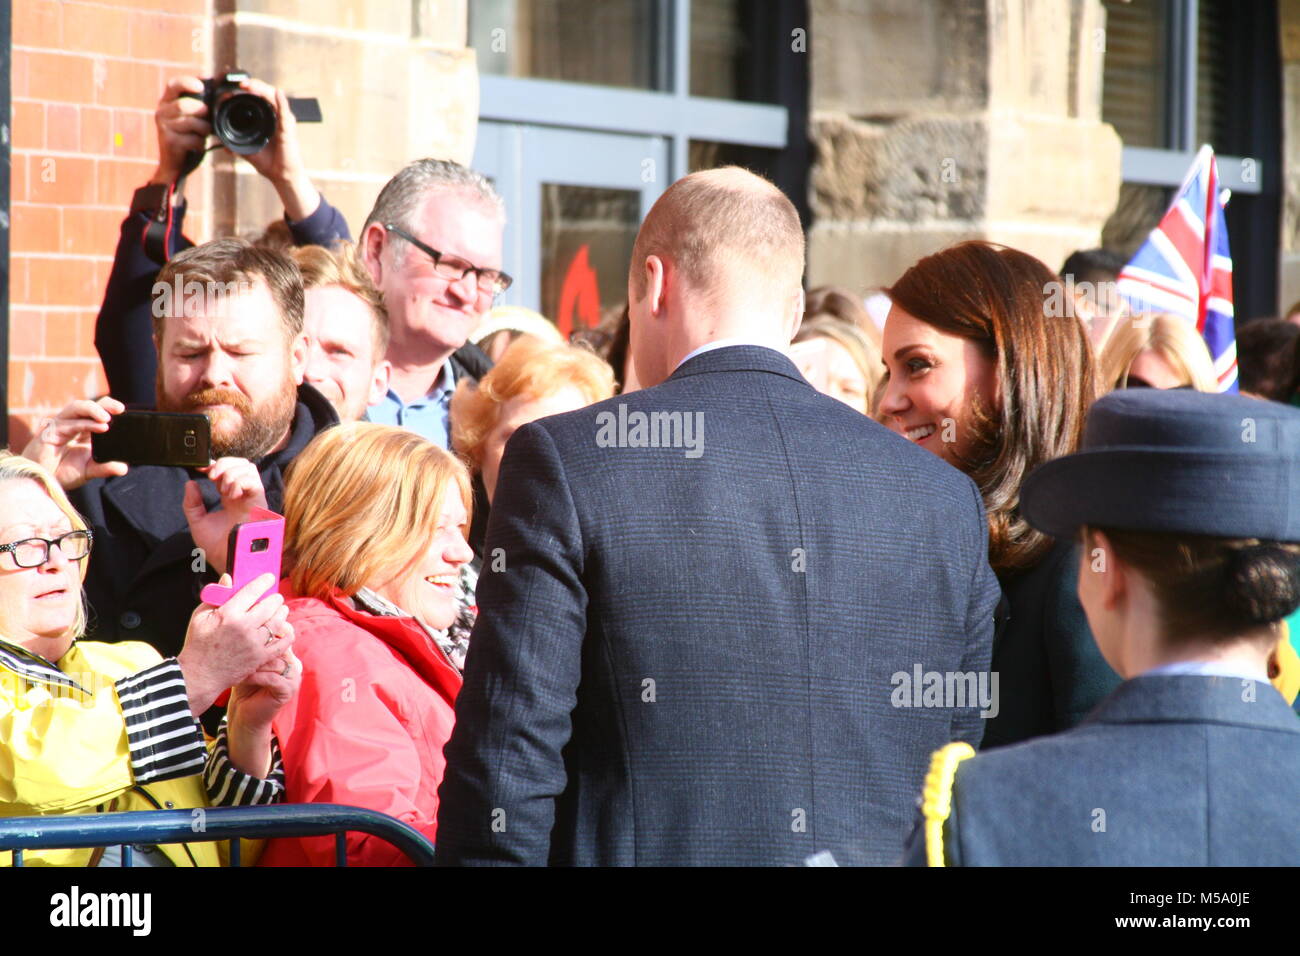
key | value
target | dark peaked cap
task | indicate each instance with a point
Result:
(1176, 461)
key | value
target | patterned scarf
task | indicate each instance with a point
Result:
(454, 640)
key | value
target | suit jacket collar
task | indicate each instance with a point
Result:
(739, 358)
(1195, 698)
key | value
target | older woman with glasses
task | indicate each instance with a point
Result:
(87, 727)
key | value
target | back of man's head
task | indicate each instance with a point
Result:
(728, 234)
(401, 196)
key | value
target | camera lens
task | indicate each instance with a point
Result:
(191, 441)
(244, 123)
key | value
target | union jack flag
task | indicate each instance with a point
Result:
(1185, 268)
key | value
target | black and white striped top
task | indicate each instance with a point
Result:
(164, 739)
(167, 741)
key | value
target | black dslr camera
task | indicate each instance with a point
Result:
(242, 121)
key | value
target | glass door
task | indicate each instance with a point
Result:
(574, 201)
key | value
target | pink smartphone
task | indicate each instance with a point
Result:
(254, 550)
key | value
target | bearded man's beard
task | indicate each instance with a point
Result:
(245, 432)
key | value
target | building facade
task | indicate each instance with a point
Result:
(896, 126)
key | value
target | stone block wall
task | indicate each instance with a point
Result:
(395, 82)
(957, 119)
(1289, 266)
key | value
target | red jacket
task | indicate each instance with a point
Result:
(367, 728)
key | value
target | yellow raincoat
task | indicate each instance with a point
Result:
(64, 751)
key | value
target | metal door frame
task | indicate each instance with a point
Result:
(520, 158)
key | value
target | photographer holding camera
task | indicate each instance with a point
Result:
(124, 328)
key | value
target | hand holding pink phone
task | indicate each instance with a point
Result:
(255, 548)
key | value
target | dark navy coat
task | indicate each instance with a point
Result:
(686, 655)
(1050, 672)
(1169, 770)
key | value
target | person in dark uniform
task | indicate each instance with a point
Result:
(1187, 507)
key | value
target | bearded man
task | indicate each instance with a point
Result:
(228, 328)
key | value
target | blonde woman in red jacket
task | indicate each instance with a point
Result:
(376, 518)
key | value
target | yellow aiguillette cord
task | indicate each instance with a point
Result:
(936, 802)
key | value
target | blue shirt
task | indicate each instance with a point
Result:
(1206, 669)
(722, 344)
(427, 416)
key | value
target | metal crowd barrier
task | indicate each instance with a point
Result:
(150, 827)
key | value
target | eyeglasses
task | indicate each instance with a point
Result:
(33, 552)
(487, 281)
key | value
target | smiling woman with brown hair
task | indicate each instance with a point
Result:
(980, 373)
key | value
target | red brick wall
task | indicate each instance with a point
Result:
(86, 78)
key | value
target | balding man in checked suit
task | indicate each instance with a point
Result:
(706, 590)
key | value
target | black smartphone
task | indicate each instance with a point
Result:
(154, 438)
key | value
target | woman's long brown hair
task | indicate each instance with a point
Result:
(1007, 302)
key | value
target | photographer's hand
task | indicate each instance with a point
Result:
(281, 159)
(62, 444)
(182, 124)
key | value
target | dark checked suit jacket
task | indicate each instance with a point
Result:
(1169, 770)
(689, 660)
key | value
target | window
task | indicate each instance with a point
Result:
(587, 237)
(589, 110)
(605, 42)
(1179, 73)
(1134, 96)
(737, 48)
(1170, 68)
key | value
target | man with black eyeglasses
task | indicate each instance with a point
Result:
(433, 245)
